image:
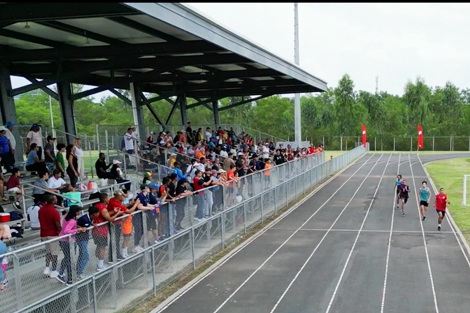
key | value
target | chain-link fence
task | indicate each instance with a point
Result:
(190, 229)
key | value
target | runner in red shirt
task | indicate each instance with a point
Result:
(440, 205)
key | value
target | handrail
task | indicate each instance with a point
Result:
(52, 192)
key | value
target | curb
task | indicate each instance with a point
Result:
(232, 253)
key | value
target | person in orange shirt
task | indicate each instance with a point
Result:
(267, 172)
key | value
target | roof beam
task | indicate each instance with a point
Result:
(248, 91)
(38, 11)
(33, 39)
(45, 89)
(88, 92)
(200, 102)
(152, 111)
(230, 85)
(167, 62)
(143, 28)
(81, 32)
(121, 96)
(134, 50)
(244, 102)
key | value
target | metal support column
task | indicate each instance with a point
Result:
(64, 90)
(7, 109)
(183, 110)
(297, 109)
(136, 100)
(215, 110)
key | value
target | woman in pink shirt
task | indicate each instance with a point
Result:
(69, 226)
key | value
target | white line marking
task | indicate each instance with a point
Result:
(163, 306)
(368, 230)
(323, 238)
(451, 223)
(355, 240)
(424, 239)
(389, 242)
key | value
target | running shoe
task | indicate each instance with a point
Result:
(424, 217)
(402, 213)
(439, 227)
(61, 279)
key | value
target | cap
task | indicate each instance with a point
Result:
(2, 128)
(153, 186)
(152, 133)
(8, 124)
(116, 162)
(222, 171)
(50, 138)
(148, 175)
(143, 186)
(35, 125)
(240, 153)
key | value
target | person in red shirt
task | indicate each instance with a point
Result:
(114, 204)
(440, 205)
(49, 219)
(100, 233)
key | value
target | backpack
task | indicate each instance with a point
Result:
(14, 216)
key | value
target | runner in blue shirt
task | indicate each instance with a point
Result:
(397, 187)
(424, 195)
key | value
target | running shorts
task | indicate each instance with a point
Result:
(405, 199)
(425, 203)
(443, 213)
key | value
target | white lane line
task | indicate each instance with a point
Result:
(424, 239)
(323, 238)
(357, 238)
(390, 241)
(285, 242)
(368, 230)
(211, 270)
(450, 219)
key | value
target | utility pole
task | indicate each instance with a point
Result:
(376, 85)
(297, 113)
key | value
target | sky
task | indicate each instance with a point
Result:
(395, 42)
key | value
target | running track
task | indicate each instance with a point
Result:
(346, 249)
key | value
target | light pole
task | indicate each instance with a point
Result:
(52, 118)
(297, 113)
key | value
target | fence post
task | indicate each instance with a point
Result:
(19, 293)
(450, 143)
(433, 143)
(98, 138)
(393, 143)
(464, 193)
(411, 143)
(375, 143)
(342, 143)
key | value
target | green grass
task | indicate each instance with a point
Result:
(449, 175)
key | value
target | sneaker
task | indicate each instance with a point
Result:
(47, 272)
(99, 269)
(120, 257)
(197, 219)
(69, 282)
(17, 206)
(80, 277)
(5, 283)
(439, 227)
(402, 213)
(424, 217)
(54, 274)
(5, 199)
(137, 249)
(61, 279)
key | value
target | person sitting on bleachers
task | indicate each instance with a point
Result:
(33, 163)
(116, 174)
(40, 186)
(101, 167)
(59, 185)
(14, 187)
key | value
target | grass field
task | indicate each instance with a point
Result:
(449, 175)
(334, 153)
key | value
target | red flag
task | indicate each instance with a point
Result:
(364, 135)
(420, 137)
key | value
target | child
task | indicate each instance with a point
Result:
(14, 187)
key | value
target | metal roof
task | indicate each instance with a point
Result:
(167, 48)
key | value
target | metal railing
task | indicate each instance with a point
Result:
(152, 265)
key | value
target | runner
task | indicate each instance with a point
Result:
(424, 195)
(404, 194)
(397, 187)
(440, 205)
